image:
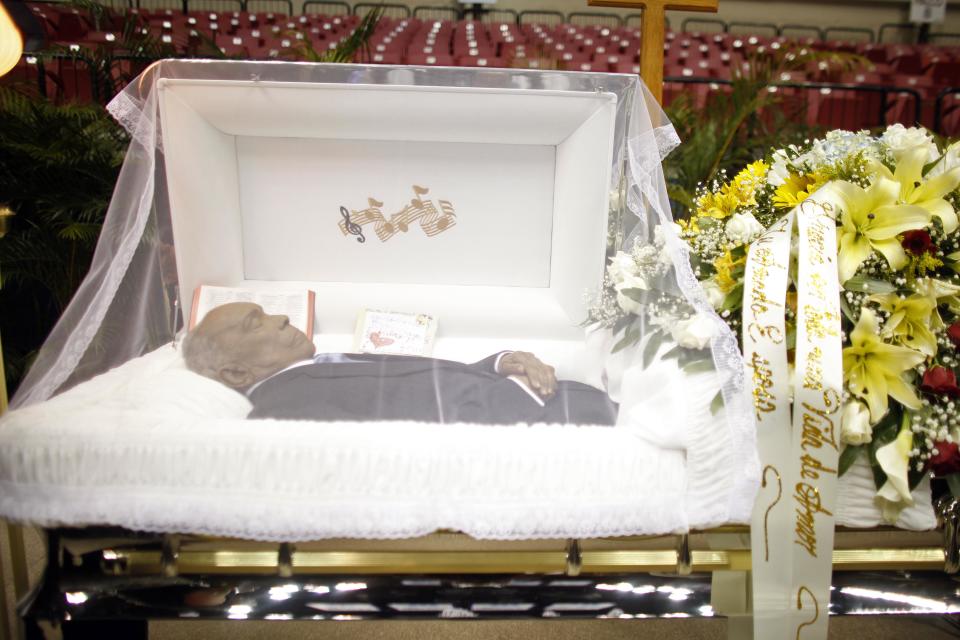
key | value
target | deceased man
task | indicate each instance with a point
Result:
(274, 364)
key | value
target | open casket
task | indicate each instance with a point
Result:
(241, 170)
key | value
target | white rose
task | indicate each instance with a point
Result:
(621, 266)
(743, 228)
(694, 332)
(631, 281)
(900, 139)
(628, 304)
(855, 426)
(660, 233)
(950, 160)
(715, 295)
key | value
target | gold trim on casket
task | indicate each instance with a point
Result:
(723, 549)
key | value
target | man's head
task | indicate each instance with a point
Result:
(239, 345)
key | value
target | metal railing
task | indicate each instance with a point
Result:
(540, 17)
(753, 28)
(326, 8)
(587, 18)
(856, 34)
(828, 104)
(436, 13)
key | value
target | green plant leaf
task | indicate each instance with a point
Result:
(623, 322)
(734, 299)
(845, 310)
(673, 353)
(653, 344)
(717, 403)
(698, 366)
(637, 295)
(631, 337)
(848, 457)
(953, 482)
(863, 284)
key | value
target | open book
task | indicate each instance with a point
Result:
(296, 305)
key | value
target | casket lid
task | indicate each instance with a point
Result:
(482, 195)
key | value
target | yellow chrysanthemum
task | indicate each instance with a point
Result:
(718, 205)
(796, 189)
(725, 266)
(744, 185)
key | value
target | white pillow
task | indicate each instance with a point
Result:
(158, 382)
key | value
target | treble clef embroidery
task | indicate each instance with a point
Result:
(353, 228)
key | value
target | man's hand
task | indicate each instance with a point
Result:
(535, 374)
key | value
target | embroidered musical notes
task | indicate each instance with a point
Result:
(433, 219)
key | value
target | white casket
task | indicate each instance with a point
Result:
(249, 165)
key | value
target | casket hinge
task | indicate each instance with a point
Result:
(684, 557)
(169, 555)
(574, 558)
(285, 560)
(948, 519)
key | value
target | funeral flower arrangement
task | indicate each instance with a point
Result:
(898, 240)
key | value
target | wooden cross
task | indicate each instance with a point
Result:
(652, 33)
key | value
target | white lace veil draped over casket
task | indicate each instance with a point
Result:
(132, 301)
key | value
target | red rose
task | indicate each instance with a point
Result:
(947, 460)
(917, 242)
(940, 380)
(954, 334)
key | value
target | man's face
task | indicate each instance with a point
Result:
(257, 345)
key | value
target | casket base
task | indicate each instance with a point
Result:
(448, 552)
(117, 574)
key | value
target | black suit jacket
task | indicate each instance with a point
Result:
(383, 387)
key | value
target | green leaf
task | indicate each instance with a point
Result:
(848, 457)
(623, 322)
(698, 366)
(845, 309)
(914, 477)
(637, 295)
(863, 284)
(650, 349)
(717, 403)
(673, 353)
(953, 482)
(630, 338)
(734, 299)
(738, 251)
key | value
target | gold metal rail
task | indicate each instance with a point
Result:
(267, 561)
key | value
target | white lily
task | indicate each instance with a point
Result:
(950, 160)
(870, 220)
(894, 459)
(925, 193)
(943, 293)
(873, 369)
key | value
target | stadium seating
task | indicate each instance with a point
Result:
(699, 63)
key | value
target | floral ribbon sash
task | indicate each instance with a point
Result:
(798, 433)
